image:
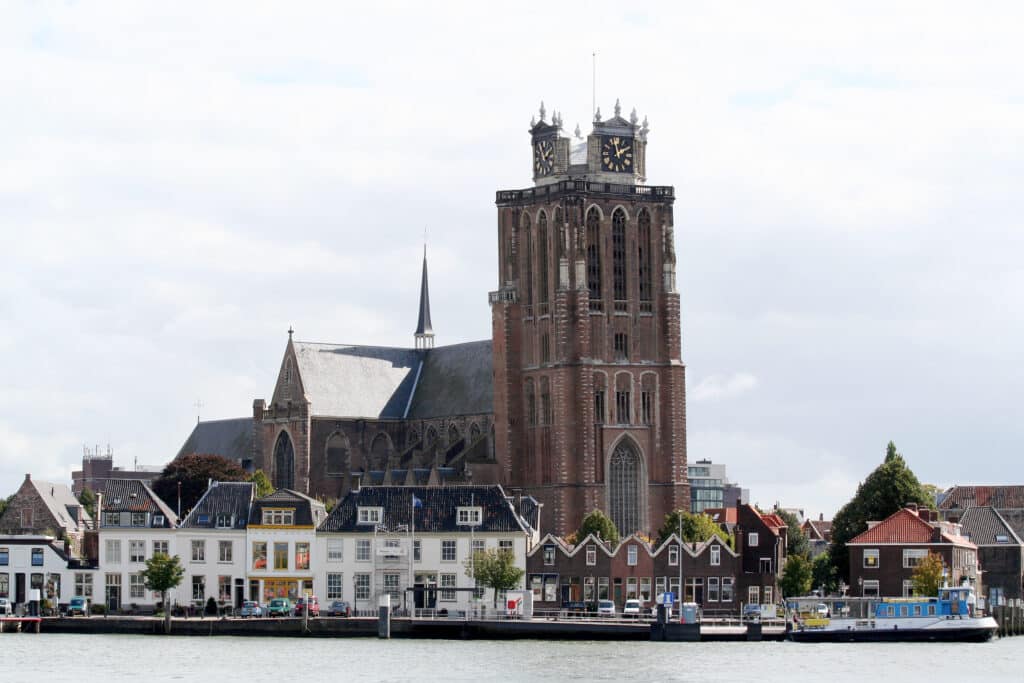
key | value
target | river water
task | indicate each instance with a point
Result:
(53, 658)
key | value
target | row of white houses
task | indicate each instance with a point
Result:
(236, 547)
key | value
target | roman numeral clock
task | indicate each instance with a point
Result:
(617, 154)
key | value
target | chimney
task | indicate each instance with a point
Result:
(28, 477)
(912, 507)
(821, 516)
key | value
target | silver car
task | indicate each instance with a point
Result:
(5, 607)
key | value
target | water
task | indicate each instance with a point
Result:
(54, 658)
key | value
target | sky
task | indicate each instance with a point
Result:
(181, 182)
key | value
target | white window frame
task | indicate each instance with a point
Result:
(716, 555)
(469, 516)
(278, 516)
(198, 550)
(136, 586)
(336, 550)
(728, 592)
(112, 554)
(753, 595)
(712, 594)
(363, 551)
(335, 586)
(361, 583)
(753, 539)
(673, 555)
(870, 588)
(161, 547)
(767, 591)
(591, 555)
(447, 582)
(225, 557)
(137, 550)
(913, 557)
(871, 558)
(369, 515)
(631, 555)
(452, 545)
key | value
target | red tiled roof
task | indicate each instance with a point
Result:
(902, 526)
(722, 515)
(960, 497)
(773, 520)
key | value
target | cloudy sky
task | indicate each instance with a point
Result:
(180, 182)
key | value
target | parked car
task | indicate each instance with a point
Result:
(279, 607)
(338, 608)
(605, 608)
(632, 609)
(78, 605)
(311, 603)
(5, 607)
(251, 608)
(751, 612)
(574, 607)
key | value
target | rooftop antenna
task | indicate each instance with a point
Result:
(593, 91)
(199, 406)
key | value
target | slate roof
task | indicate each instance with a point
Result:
(378, 381)
(905, 526)
(817, 529)
(131, 495)
(960, 497)
(308, 511)
(232, 498)
(982, 524)
(438, 514)
(58, 499)
(232, 438)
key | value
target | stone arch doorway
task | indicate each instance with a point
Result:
(284, 462)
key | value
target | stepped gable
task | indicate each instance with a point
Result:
(984, 525)
(438, 514)
(308, 511)
(231, 498)
(231, 438)
(131, 495)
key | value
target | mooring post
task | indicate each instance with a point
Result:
(384, 616)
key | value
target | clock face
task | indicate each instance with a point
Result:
(543, 158)
(617, 154)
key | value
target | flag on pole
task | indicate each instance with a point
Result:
(416, 502)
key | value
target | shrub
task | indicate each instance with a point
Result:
(211, 606)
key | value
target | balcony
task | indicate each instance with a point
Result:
(568, 187)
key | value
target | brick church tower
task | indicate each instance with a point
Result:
(589, 384)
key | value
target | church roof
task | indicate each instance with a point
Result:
(423, 326)
(378, 381)
(231, 438)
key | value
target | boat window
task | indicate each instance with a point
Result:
(903, 610)
(931, 610)
(917, 610)
(890, 611)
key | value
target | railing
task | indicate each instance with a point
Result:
(503, 296)
(575, 186)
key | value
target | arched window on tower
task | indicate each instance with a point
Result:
(286, 379)
(284, 462)
(560, 231)
(337, 453)
(542, 264)
(528, 267)
(619, 259)
(644, 263)
(474, 433)
(380, 448)
(545, 401)
(531, 403)
(625, 474)
(594, 258)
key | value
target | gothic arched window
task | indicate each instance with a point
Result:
(542, 257)
(619, 254)
(453, 435)
(379, 449)
(643, 252)
(545, 401)
(528, 259)
(560, 227)
(625, 472)
(284, 463)
(474, 432)
(594, 256)
(531, 403)
(337, 453)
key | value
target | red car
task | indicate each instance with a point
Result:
(312, 602)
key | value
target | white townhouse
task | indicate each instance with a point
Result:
(280, 537)
(387, 539)
(34, 562)
(212, 543)
(134, 525)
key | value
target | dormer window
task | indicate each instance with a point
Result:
(370, 515)
(158, 520)
(139, 519)
(469, 516)
(223, 521)
(203, 519)
(111, 519)
(1002, 538)
(278, 517)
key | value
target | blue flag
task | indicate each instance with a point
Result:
(416, 502)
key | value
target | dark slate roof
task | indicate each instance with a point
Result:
(232, 439)
(438, 514)
(232, 498)
(423, 326)
(529, 510)
(131, 495)
(377, 381)
(982, 524)
(960, 497)
(308, 511)
(456, 380)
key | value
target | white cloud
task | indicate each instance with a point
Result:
(722, 387)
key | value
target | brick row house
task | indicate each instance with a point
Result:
(1000, 554)
(883, 558)
(761, 544)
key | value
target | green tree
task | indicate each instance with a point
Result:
(600, 525)
(194, 473)
(887, 489)
(696, 528)
(4, 503)
(932, 491)
(823, 574)
(927, 576)
(88, 501)
(495, 569)
(796, 539)
(262, 481)
(796, 576)
(162, 573)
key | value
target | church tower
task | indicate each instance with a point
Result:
(589, 383)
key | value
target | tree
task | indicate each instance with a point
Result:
(4, 503)
(600, 525)
(796, 576)
(823, 574)
(88, 501)
(494, 568)
(927, 576)
(695, 528)
(887, 489)
(162, 573)
(796, 539)
(263, 485)
(194, 473)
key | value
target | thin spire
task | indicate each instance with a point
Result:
(424, 330)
